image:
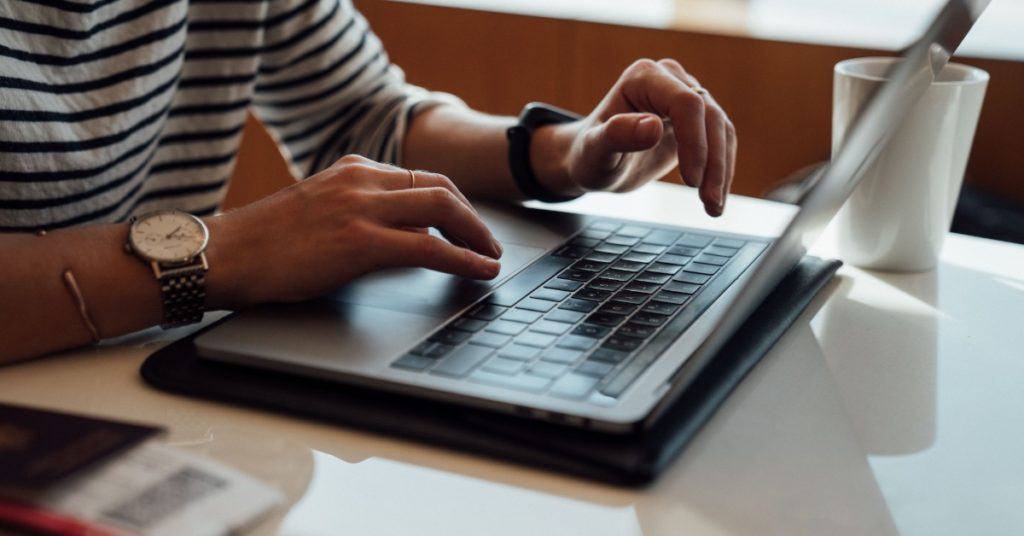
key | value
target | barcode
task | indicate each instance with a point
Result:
(165, 497)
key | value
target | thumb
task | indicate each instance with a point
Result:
(626, 133)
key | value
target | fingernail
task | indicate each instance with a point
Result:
(491, 268)
(498, 250)
(647, 129)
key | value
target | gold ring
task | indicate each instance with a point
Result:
(412, 179)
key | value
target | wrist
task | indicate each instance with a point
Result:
(225, 280)
(550, 146)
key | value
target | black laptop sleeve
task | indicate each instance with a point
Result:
(634, 459)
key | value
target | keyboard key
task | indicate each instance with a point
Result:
(663, 268)
(565, 315)
(594, 233)
(601, 257)
(699, 268)
(609, 354)
(684, 251)
(519, 382)
(592, 294)
(486, 311)
(572, 252)
(597, 369)
(546, 369)
(563, 284)
(634, 230)
(469, 324)
(520, 315)
(678, 260)
(715, 260)
(549, 294)
(549, 327)
(694, 240)
(662, 237)
(503, 366)
(643, 287)
(720, 251)
(486, 338)
(450, 336)
(617, 308)
(634, 298)
(561, 355)
(693, 279)
(605, 319)
(729, 243)
(532, 338)
(577, 275)
(629, 266)
(506, 328)
(590, 330)
(684, 288)
(573, 386)
(649, 248)
(674, 298)
(620, 240)
(518, 351)
(461, 361)
(648, 319)
(651, 277)
(617, 275)
(589, 266)
(604, 226)
(639, 257)
(605, 285)
(661, 308)
(576, 342)
(637, 331)
(584, 242)
(533, 304)
(435, 350)
(413, 362)
(611, 249)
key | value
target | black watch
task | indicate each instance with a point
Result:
(533, 116)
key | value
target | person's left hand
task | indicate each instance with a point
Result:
(655, 116)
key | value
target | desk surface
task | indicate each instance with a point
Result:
(892, 406)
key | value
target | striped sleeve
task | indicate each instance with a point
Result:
(328, 88)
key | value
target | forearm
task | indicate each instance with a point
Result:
(471, 148)
(38, 312)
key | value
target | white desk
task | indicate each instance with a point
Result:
(894, 405)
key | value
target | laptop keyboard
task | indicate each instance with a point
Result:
(586, 320)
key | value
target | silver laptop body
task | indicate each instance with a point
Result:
(497, 344)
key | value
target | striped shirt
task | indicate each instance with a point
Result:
(110, 108)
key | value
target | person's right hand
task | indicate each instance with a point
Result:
(353, 218)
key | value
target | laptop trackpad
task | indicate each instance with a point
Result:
(362, 325)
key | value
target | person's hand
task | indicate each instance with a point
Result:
(655, 115)
(353, 218)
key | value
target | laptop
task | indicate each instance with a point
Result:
(595, 323)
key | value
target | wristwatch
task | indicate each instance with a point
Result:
(533, 116)
(173, 243)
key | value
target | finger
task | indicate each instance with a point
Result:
(732, 143)
(396, 178)
(652, 88)
(437, 207)
(721, 144)
(622, 133)
(402, 249)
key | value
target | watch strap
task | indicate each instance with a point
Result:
(533, 116)
(184, 294)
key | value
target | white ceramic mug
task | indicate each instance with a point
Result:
(897, 217)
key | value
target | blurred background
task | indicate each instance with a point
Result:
(768, 62)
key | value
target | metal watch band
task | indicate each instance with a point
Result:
(184, 294)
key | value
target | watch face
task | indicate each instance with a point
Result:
(168, 236)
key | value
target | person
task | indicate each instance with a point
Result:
(117, 108)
